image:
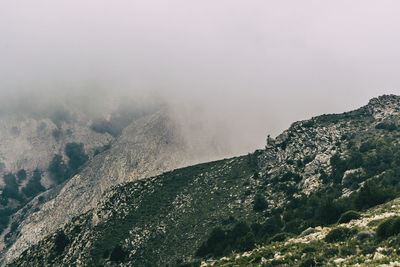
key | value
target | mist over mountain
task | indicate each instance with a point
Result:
(179, 132)
(321, 189)
(264, 64)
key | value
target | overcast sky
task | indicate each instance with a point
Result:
(256, 66)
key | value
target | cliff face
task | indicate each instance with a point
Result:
(166, 218)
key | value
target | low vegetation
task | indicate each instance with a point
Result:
(348, 216)
(331, 246)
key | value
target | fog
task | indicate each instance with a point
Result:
(244, 69)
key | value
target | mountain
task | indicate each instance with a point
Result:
(29, 142)
(147, 146)
(309, 177)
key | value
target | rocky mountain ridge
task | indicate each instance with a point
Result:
(308, 176)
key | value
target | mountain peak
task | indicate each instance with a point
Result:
(385, 100)
(385, 105)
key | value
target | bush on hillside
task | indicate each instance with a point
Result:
(388, 227)
(4, 218)
(348, 216)
(252, 161)
(220, 242)
(389, 126)
(367, 146)
(118, 254)
(58, 170)
(61, 241)
(34, 186)
(260, 203)
(372, 194)
(280, 237)
(21, 174)
(328, 210)
(76, 154)
(11, 187)
(339, 234)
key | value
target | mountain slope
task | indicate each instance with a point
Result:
(308, 176)
(149, 146)
(365, 243)
(29, 141)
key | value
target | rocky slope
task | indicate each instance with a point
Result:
(307, 176)
(364, 244)
(149, 146)
(29, 141)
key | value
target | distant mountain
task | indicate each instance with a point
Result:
(29, 143)
(320, 171)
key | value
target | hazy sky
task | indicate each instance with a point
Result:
(255, 66)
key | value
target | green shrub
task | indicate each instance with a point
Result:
(348, 216)
(76, 154)
(21, 174)
(365, 235)
(220, 242)
(34, 187)
(58, 170)
(271, 226)
(280, 237)
(14, 227)
(260, 203)
(367, 146)
(339, 166)
(328, 210)
(60, 242)
(388, 227)
(372, 194)
(339, 234)
(211, 246)
(11, 187)
(324, 177)
(389, 126)
(118, 254)
(252, 161)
